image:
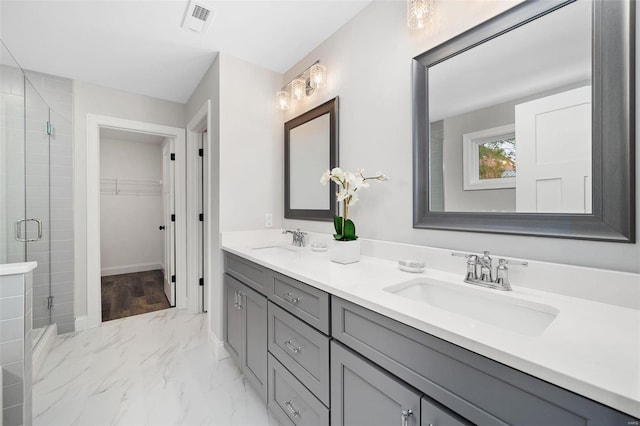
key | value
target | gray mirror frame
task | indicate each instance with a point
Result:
(613, 217)
(330, 107)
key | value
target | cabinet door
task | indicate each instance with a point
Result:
(434, 414)
(232, 317)
(254, 344)
(363, 394)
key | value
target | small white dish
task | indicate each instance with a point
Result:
(414, 266)
(315, 246)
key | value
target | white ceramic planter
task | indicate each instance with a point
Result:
(345, 251)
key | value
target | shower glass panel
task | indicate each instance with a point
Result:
(12, 158)
(25, 182)
(37, 183)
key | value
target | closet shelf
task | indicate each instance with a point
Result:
(118, 186)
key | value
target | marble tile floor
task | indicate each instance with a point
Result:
(153, 369)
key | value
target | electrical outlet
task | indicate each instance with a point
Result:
(268, 220)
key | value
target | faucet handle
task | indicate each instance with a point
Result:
(503, 262)
(461, 254)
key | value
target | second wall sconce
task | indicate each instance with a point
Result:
(312, 78)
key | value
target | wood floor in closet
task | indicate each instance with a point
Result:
(132, 294)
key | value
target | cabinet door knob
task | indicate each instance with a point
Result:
(405, 417)
(161, 227)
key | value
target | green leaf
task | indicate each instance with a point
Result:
(349, 230)
(337, 224)
(337, 236)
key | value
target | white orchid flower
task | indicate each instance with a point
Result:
(326, 177)
(354, 199)
(337, 173)
(342, 195)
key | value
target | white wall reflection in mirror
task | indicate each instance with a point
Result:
(309, 150)
(535, 79)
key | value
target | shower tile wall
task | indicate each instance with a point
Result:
(15, 349)
(11, 147)
(58, 93)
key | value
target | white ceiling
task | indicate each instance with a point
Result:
(140, 47)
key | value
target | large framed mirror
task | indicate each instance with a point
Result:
(310, 148)
(525, 124)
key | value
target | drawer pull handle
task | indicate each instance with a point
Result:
(292, 347)
(293, 410)
(291, 297)
(235, 295)
(405, 417)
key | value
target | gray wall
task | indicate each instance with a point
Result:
(456, 199)
(374, 85)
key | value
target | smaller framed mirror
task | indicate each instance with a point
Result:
(310, 148)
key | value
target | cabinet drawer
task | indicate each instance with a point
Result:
(290, 401)
(302, 349)
(306, 302)
(254, 275)
(476, 388)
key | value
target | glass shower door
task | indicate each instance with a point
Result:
(37, 200)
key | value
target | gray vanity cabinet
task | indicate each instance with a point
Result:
(476, 388)
(245, 331)
(363, 394)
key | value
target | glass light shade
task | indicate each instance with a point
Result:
(318, 76)
(419, 13)
(298, 88)
(283, 99)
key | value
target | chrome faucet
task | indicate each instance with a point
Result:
(480, 270)
(299, 237)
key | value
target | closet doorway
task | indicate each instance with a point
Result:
(137, 223)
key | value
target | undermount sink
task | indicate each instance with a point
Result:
(480, 304)
(277, 249)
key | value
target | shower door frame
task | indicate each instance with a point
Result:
(94, 124)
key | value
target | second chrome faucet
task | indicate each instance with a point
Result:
(299, 237)
(480, 270)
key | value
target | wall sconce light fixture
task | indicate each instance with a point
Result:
(312, 78)
(419, 13)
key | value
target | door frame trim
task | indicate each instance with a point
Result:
(94, 124)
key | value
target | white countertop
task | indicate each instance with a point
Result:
(17, 268)
(590, 348)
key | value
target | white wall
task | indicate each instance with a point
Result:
(130, 240)
(92, 99)
(248, 134)
(369, 67)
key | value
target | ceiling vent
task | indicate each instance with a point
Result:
(198, 18)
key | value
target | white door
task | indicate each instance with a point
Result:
(203, 283)
(169, 225)
(553, 153)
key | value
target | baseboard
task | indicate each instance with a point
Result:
(130, 269)
(219, 352)
(82, 323)
(44, 347)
